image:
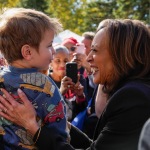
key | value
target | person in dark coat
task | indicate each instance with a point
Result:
(119, 59)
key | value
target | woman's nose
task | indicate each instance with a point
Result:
(89, 58)
(63, 64)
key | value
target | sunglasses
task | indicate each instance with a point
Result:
(73, 49)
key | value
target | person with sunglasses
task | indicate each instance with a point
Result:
(70, 43)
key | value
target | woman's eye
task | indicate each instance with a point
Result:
(57, 60)
(66, 61)
(50, 45)
(94, 50)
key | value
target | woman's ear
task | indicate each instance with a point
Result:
(26, 52)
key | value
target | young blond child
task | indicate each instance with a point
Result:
(26, 38)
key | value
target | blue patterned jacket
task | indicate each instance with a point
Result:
(44, 96)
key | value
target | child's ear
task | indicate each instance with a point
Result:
(26, 52)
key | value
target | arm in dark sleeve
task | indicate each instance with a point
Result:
(122, 120)
(78, 108)
(50, 140)
(118, 129)
(79, 139)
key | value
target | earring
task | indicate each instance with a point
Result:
(50, 68)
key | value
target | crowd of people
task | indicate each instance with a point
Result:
(39, 103)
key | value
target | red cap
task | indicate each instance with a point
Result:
(69, 40)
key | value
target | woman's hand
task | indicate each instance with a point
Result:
(66, 84)
(78, 89)
(23, 115)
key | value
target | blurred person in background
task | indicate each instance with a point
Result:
(87, 40)
(67, 88)
(70, 43)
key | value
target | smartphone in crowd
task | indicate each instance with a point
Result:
(80, 48)
(71, 71)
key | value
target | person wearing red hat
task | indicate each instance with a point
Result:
(70, 43)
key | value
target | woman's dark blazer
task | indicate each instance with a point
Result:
(118, 128)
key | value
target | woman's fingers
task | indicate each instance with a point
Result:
(66, 79)
(7, 96)
(23, 115)
(3, 108)
(9, 115)
(69, 85)
(5, 112)
(77, 84)
(67, 82)
(81, 87)
(5, 103)
(2, 114)
(23, 96)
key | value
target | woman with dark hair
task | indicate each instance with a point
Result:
(120, 62)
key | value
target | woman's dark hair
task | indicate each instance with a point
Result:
(128, 42)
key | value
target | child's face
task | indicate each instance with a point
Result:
(42, 59)
(59, 63)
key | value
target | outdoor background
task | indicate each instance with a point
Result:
(80, 16)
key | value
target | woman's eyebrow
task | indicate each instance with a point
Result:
(50, 42)
(94, 46)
